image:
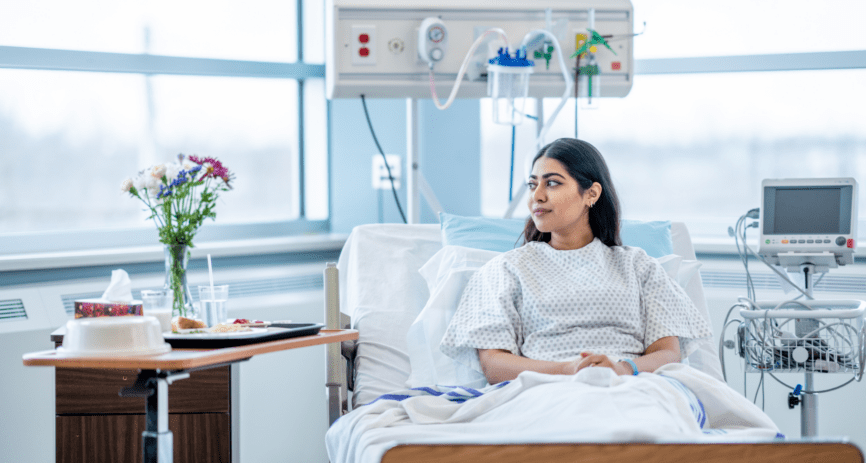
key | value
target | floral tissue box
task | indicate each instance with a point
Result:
(87, 308)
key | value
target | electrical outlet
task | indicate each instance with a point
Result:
(380, 172)
(363, 40)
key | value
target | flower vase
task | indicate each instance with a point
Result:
(176, 260)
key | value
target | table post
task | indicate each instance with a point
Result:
(157, 440)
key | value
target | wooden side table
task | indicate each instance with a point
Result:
(153, 375)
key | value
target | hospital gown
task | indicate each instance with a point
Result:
(547, 304)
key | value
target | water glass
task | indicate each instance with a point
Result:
(213, 304)
(157, 303)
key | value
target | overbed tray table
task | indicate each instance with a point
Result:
(157, 372)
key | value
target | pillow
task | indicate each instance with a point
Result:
(381, 289)
(681, 270)
(481, 232)
(447, 274)
(505, 234)
(652, 237)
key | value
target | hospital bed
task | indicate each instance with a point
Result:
(398, 285)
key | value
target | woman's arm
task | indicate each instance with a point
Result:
(665, 350)
(500, 365)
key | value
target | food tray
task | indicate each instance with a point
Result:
(273, 332)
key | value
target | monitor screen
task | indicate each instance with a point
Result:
(807, 210)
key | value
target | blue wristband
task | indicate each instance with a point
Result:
(633, 366)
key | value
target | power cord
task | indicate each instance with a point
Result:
(382, 152)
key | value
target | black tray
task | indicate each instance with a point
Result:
(272, 333)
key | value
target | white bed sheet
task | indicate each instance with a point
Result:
(593, 406)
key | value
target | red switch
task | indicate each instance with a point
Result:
(364, 51)
(616, 65)
(364, 38)
(851, 243)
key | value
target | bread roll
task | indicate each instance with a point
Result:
(183, 323)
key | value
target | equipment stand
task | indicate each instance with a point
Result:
(809, 402)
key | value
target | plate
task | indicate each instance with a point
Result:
(217, 340)
(205, 332)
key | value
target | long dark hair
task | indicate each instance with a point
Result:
(585, 165)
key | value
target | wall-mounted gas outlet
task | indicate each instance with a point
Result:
(363, 45)
(381, 181)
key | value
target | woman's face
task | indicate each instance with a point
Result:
(556, 204)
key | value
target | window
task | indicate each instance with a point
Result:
(253, 30)
(92, 92)
(695, 146)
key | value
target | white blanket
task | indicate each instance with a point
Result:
(593, 406)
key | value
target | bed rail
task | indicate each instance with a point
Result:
(340, 358)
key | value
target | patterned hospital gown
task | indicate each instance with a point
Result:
(546, 304)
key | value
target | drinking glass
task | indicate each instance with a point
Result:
(213, 304)
(157, 303)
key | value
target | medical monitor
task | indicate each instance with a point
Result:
(811, 220)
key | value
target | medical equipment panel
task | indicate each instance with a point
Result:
(384, 48)
(811, 220)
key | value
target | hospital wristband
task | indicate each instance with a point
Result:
(633, 366)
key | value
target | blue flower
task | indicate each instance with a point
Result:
(195, 169)
(178, 181)
(163, 192)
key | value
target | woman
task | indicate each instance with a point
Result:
(572, 296)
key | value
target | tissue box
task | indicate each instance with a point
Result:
(86, 308)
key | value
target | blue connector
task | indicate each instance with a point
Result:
(798, 389)
(505, 59)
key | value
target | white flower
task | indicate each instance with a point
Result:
(138, 183)
(171, 171)
(158, 171)
(152, 185)
(126, 185)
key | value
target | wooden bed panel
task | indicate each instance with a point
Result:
(782, 452)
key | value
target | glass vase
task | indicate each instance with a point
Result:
(176, 260)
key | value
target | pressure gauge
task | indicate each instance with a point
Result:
(432, 40)
(436, 34)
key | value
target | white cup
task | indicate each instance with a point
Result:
(157, 303)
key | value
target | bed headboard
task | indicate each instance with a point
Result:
(383, 293)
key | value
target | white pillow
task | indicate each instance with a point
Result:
(681, 270)
(685, 272)
(447, 273)
(381, 289)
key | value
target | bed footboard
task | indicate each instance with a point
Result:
(775, 452)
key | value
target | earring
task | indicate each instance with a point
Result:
(591, 204)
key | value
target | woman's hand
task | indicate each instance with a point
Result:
(663, 351)
(598, 360)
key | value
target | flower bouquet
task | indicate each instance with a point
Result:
(179, 197)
